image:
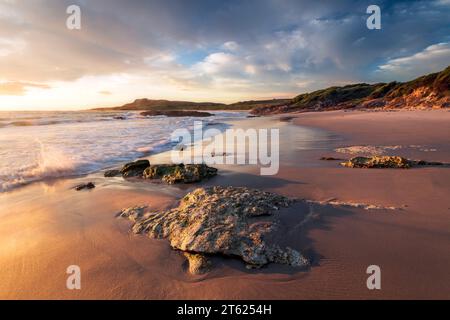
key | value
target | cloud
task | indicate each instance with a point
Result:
(19, 88)
(218, 63)
(11, 46)
(433, 58)
(105, 92)
(231, 46)
(215, 48)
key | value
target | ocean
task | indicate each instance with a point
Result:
(39, 145)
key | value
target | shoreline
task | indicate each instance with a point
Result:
(80, 172)
(65, 227)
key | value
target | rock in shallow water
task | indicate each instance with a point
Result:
(134, 169)
(83, 186)
(179, 173)
(387, 162)
(226, 221)
(378, 162)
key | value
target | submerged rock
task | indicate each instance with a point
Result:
(83, 186)
(179, 173)
(111, 173)
(227, 221)
(387, 162)
(134, 169)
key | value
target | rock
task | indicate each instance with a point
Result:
(134, 169)
(179, 173)
(112, 173)
(176, 113)
(198, 263)
(227, 221)
(378, 162)
(83, 186)
(289, 256)
(133, 213)
(224, 154)
(387, 162)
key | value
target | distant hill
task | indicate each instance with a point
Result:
(149, 105)
(252, 104)
(426, 92)
(166, 105)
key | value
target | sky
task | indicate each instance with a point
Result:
(209, 50)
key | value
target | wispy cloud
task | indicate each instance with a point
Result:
(432, 59)
(18, 88)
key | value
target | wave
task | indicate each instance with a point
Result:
(155, 147)
(50, 163)
(15, 121)
(33, 153)
(22, 123)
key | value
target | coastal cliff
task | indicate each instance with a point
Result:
(427, 92)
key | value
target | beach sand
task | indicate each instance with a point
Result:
(47, 226)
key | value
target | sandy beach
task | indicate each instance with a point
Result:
(47, 226)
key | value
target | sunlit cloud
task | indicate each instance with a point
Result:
(19, 88)
(432, 59)
(208, 50)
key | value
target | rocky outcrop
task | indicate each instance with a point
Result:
(176, 113)
(386, 162)
(231, 221)
(134, 169)
(377, 162)
(169, 173)
(180, 173)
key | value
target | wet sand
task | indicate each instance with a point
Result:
(45, 227)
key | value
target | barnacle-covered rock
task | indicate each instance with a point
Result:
(179, 173)
(379, 162)
(228, 221)
(387, 162)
